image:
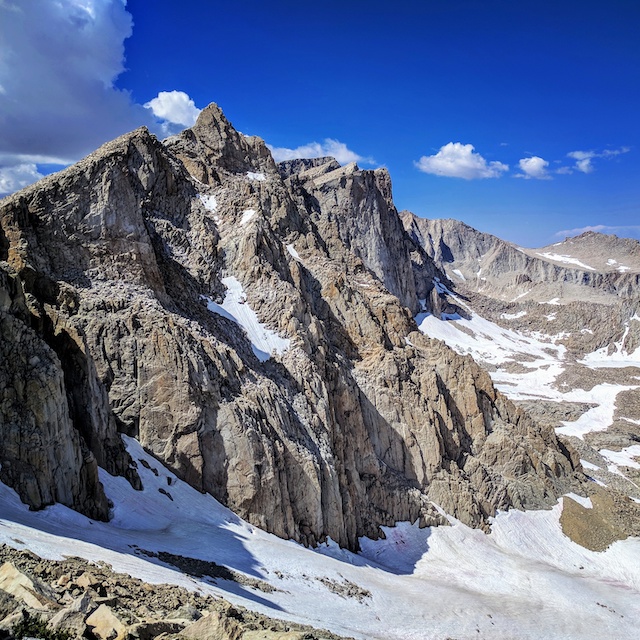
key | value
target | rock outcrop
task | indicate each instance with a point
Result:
(43, 453)
(130, 262)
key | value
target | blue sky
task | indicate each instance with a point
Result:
(520, 118)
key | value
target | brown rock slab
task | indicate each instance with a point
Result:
(105, 624)
(213, 627)
(32, 592)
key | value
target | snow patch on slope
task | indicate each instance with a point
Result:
(564, 259)
(626, 457)
(209, 202)
(247, 215)
(234, 307)
(513, 316)
(293, 253)
(600, 417)
(615, 357)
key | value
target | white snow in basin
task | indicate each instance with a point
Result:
(485, 340)
(293, 253)
(246, 216)
(599, 417)
(623, 269)
(209, 202)
(601, 359)
(624, 458)
(524, 580)
(252, 175)
(564, 259)
(234, 307)
(589, 466)
(459, 274)
(615, 357)
(513, 316)
(488, 343)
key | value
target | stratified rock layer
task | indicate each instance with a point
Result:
(362, 421)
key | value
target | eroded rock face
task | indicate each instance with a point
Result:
(360, 422)
(42, 453)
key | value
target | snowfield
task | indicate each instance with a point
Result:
(565, 259)
(234, 307)
(524, 580)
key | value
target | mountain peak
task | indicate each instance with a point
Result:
(256, 334)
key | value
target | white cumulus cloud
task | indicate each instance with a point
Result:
(18, 176)
(330, 147)
(457, 160)
(583, 160)
(533, 167)
(175, 107)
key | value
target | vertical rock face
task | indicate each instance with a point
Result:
(41, 451)
(144, 263)
(355, 210)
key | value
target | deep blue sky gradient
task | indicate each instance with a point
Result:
(398, 80)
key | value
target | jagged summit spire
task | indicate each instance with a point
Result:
(212, 144)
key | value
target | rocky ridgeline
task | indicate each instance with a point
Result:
(107, 269)
(485, 262)
(585, 289)
(75, 599)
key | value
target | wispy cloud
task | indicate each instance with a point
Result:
(457, 160)
(584, 159)
(330, 147)
(623, 230)
(533, 167)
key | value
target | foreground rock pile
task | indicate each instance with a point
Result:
(75, 599)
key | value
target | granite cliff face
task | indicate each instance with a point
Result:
(252, 325)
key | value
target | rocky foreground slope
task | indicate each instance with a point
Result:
(76, 599)
(252, 326)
